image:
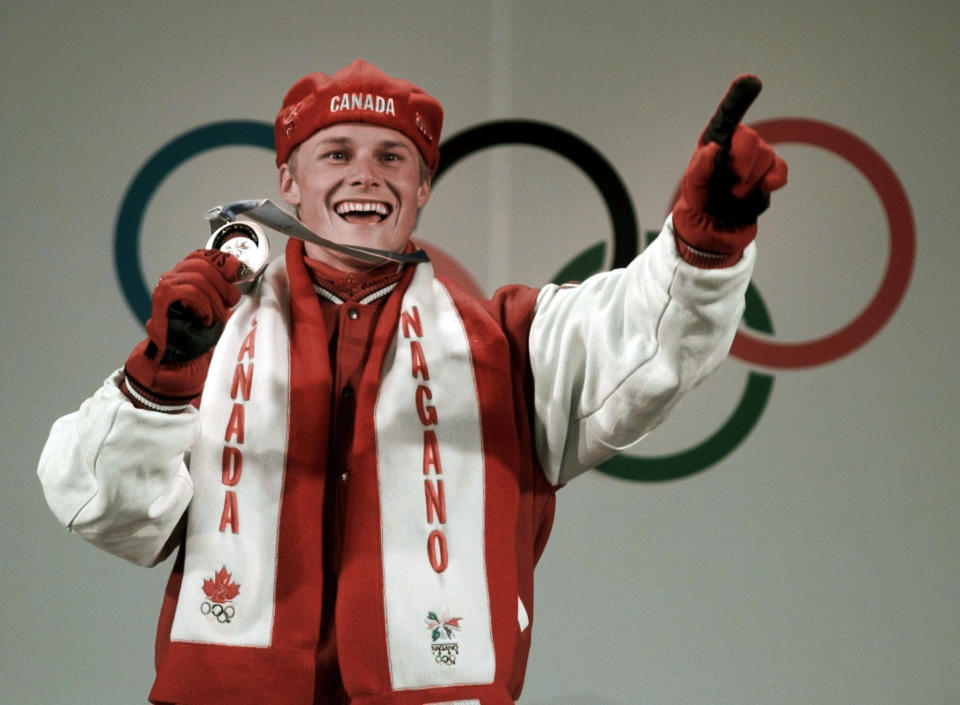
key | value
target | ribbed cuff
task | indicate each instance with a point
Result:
(705, 260)
(142, 398)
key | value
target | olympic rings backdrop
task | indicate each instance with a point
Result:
(624, 239)
(788, 534)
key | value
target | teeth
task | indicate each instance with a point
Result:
(379, 208)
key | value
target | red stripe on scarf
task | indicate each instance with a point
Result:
(361, 629)
(299, 554)
(516, 490)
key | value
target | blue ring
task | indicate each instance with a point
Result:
(126, 244)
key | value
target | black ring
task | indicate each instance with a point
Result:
(566, 144)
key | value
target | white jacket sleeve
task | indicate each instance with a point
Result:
(115, 474)
(613, 355)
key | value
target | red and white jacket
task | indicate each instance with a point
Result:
(469, 415)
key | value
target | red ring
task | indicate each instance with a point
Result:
(899, 263)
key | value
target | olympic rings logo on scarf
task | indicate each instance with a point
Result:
(746, 346)
(222, 613)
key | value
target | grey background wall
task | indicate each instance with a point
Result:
(816, 563)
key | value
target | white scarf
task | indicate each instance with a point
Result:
(423, 575)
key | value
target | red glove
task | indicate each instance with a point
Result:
(727, 183)
(191, 303)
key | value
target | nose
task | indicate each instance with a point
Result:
(364, 173)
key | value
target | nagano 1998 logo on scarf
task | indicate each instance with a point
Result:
(445, 647)
(749, 347)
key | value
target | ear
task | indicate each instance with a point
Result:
(423, 193)
(289, 188)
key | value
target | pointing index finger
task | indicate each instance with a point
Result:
(731, 110)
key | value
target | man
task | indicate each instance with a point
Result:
(361, 496)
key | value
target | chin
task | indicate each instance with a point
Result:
(376, 236)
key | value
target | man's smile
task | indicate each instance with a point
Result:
(363, 212)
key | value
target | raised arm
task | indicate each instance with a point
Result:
(114, 471)
(613, 355)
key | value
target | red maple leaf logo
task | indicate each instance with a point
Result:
(221, 589)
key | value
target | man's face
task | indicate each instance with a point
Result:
(356, 184)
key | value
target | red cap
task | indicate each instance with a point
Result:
(359, 92)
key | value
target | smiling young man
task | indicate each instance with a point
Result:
(360, 496)
(360, 184)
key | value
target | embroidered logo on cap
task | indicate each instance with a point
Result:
(291, 112)
(422, 128)
(444, 647)
(221, 590)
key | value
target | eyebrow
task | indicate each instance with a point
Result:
(391, 144)
(335, 140)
